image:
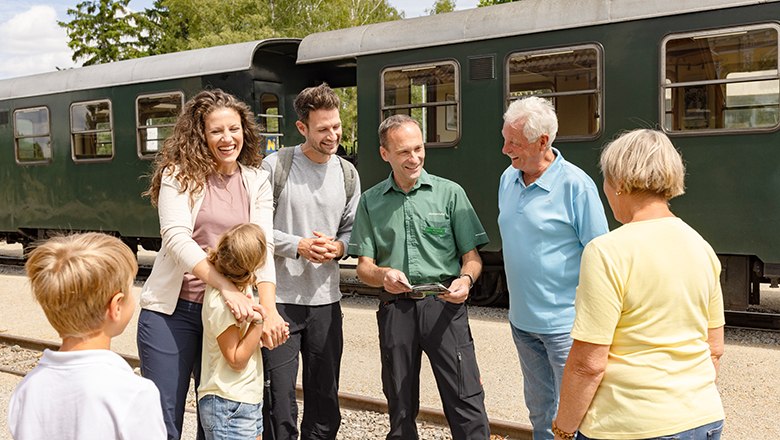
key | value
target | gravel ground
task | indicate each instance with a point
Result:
(749, 381)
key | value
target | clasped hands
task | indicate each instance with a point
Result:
(395, 282)
(320, 248)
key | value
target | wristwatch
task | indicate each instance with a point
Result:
(471, 279)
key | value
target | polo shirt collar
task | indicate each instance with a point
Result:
(423, 180)
(550, 176)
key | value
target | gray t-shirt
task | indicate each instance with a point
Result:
(313, 199)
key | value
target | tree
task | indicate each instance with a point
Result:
(105, 30)
(441, 6)
(189, 24)
(493, 2)
(177, 25)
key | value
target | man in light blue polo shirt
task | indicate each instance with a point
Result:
(548, 211)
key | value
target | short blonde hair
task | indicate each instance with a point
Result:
(74, 277)
(644, 161)
(239, 253)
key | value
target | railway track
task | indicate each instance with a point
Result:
(500, 428)
(349, 284)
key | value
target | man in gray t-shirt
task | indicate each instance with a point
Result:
(312, 227)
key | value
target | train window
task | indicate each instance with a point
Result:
(92, 135)
(155, 117)
(32, 135)
(721, 80)
(430, 94)
(569, 77)
(270, 122)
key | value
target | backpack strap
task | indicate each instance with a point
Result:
(281, 171)
(350, 178)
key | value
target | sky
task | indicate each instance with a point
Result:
(32, 42)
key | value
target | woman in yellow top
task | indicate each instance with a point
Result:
(648, 332)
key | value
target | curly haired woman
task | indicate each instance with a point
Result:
(206, 179)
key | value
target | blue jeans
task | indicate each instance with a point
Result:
(542, 358)
(224, 419)
(710, 431)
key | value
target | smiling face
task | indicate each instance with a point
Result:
(323, 134)
(525, 155)
(405, 152)
(225, 138)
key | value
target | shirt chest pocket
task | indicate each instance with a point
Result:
(438, 230)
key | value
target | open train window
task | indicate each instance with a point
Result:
(155, 117)
(721, 80)
(428, 93)
(32, 135)
(91, 131)
(270, 122)
(570, 77)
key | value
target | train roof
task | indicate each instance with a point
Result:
(189, 63)
(515, 18)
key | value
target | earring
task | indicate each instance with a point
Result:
(617, 193)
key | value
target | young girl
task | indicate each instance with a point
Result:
(231, 380)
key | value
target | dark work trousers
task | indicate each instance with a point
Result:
(169, 347)
(407, 327)
(316, 334)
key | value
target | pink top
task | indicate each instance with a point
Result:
(225, 204)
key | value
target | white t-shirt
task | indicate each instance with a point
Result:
(88, 394)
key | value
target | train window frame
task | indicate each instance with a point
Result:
(273, 140)
(17, 136)
(665, 86)
(449, 118)
(144, 154)
(552, 94)
(97, 132)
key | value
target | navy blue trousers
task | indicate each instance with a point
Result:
(169, 347)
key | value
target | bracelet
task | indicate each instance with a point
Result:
(562, 434)
(471, 279)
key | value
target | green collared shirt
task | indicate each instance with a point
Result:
(422, 233)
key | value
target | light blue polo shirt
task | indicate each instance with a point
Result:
(544, 228)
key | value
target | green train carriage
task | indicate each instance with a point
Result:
(704, 72)
(76, 144)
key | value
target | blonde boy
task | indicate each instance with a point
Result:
(84, 284)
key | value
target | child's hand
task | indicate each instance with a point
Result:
(257, 318)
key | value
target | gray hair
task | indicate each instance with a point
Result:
(393, 122)
(644, 161)
(537, 115)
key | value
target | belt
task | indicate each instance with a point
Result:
(386, 296)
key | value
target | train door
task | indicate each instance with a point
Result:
(269, 113)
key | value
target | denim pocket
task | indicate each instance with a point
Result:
(206, 412)
(714, 433)
(469, 381)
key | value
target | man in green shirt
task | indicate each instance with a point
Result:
(412, 229)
